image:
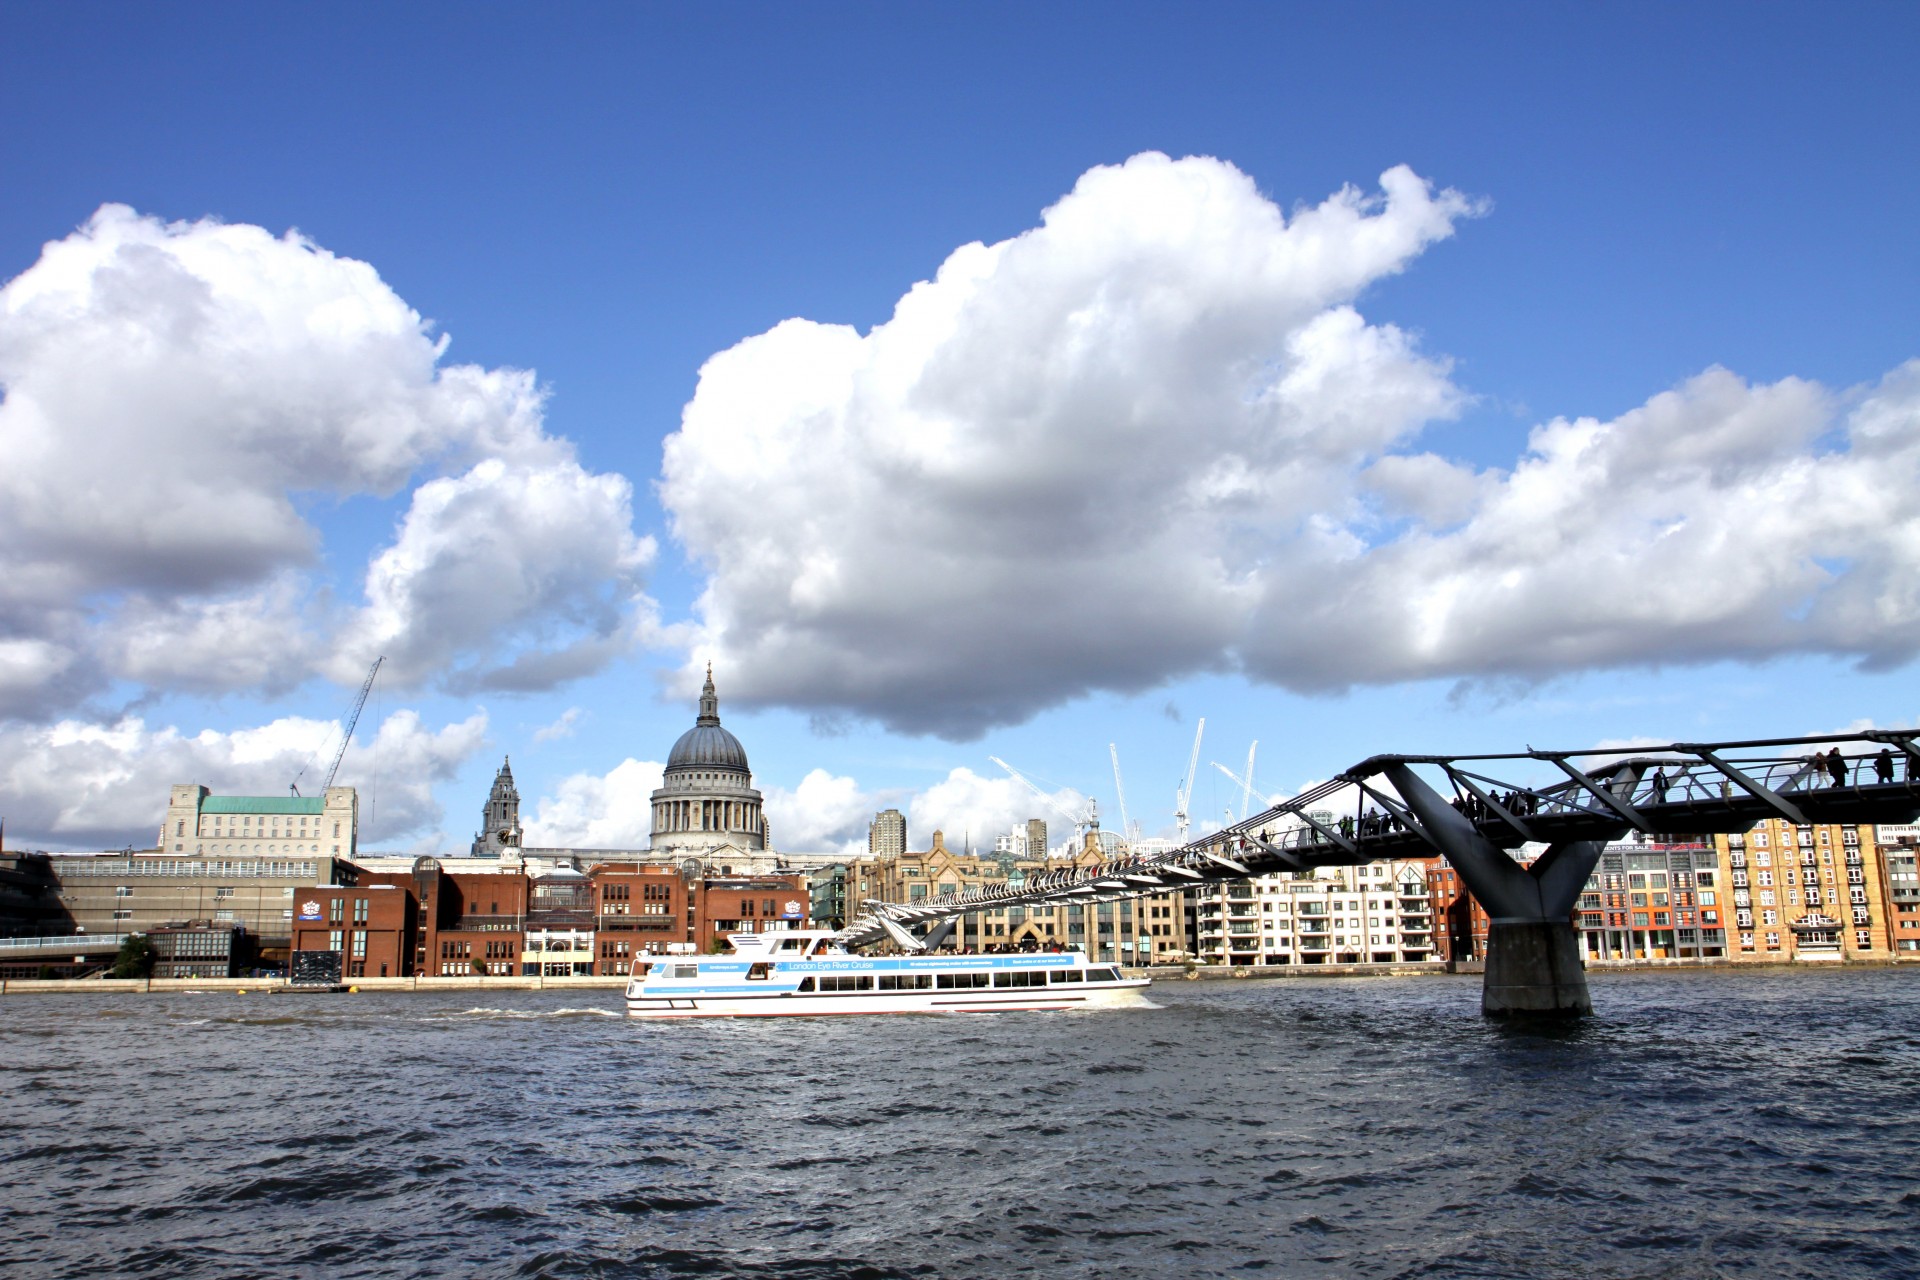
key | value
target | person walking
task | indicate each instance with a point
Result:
(1837, 767)
(1883, 765)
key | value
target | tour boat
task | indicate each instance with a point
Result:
(802, 973)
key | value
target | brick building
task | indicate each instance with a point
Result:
(747, 904)
(374, 927)
(1807, 893)
(642, 909)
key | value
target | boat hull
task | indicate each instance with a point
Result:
(1124, 994)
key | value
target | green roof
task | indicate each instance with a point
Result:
(263, 804)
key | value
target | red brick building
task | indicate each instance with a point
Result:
(748, 904)
(642, 909)
(372, 926)
(470, 923)
(1460, 924)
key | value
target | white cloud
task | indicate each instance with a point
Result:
(1154, 436)
(825, 813)
(1061, 463)
(177, 395)
(74, 784)
(610, 811)
(966, 806)
(506, 577)
(564, 727)
(1718, 520)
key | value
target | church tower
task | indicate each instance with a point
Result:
(500, 820)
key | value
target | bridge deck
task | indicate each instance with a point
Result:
(1683, 788)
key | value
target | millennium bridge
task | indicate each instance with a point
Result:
(1462, 808)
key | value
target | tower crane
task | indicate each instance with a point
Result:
(1185, 793)
(1128, 827)
(1246, 787)
(1082, 822)
(359, 704)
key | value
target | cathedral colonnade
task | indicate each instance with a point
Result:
(706, 815)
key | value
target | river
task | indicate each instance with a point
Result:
(1705, 1123)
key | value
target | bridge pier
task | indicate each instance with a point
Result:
(1534, 969)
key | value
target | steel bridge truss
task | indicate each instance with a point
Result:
(1473, 816)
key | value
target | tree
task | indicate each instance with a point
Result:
(135, 959)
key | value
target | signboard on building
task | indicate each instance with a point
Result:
(315, 969)
(310, 910)
(791, 910)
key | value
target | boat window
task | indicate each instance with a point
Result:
(1021, 978)
(948, 981)
(641, 968)
(806, 984)
(685, 971)
(823, 946)
(846, 982)
(1103, 975)
(793, 944)
(1064, 975)
(905, 981)
(758, 972)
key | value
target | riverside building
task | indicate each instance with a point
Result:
(1377, 913)
(1655, 901)
(201, 824)
(1900, 861)
(1807, 893)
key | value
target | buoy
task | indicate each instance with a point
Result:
(243, 991)
(353, 991)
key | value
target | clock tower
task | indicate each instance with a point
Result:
(500, 820)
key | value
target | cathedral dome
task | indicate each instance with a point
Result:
(708, 745)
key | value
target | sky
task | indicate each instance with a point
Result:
(961, 381)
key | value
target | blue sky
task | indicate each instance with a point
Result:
(610, 196)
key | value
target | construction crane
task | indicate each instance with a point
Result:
(1185, 793)
(1246, 787)
(1128, 827)
(359, 703)
(1082, 822)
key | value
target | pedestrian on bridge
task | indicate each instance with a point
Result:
(1659, 786)
(1837, 767)
(1883, 765)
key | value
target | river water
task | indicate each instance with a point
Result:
(1704, 1124)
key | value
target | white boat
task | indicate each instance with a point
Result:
(803, 973)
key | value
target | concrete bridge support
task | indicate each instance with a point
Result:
(1534, 969)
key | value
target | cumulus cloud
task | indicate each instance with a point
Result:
(1718, 520)
(175, 396)
(598, 811)
(1062, 462)
(76, 785)
(1155, 435)
(507, 577)
(967, 806)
